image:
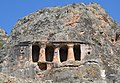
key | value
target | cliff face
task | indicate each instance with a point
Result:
(72, 22)
(77, 22)
(3, 37)
(3, 46)
(3, 40)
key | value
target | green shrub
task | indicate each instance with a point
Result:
(1, 43)
(113, 27)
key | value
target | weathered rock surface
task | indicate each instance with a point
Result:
(77, 22)
(3, 37)
(72, 22)
(3, 45)
(10, 79)
(84, 73)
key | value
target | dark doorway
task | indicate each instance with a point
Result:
(63, 53)
(49, 52)
(35, 53)
(77, 52)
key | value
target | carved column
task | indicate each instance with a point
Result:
(30, 53)
(70, 52)
(56, 57)
(42, 57)
(83, 51)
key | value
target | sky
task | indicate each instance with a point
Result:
(13, 10)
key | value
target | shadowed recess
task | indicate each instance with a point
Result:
(63, 53)
(49, 52)
(77, 52)
(35, 53)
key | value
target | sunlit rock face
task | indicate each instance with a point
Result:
(3, 41)
(3, 46)
(86, 25)
(3, 37)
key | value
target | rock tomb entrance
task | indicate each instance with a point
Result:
(57, 52)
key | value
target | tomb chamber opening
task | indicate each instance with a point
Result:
(77, 52)
(49, 52)
(35, 53)
(63, 53)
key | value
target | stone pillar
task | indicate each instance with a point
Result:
(70, 52)
(42, 57)
(30, 53)
(56, 57)
(85, 50)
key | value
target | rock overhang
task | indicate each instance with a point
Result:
(71, 22)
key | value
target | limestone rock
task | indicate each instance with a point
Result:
(3, 45)
(3, 37)
(76, 22)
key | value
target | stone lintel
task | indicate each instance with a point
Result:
(50, 42)
(60, 42)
